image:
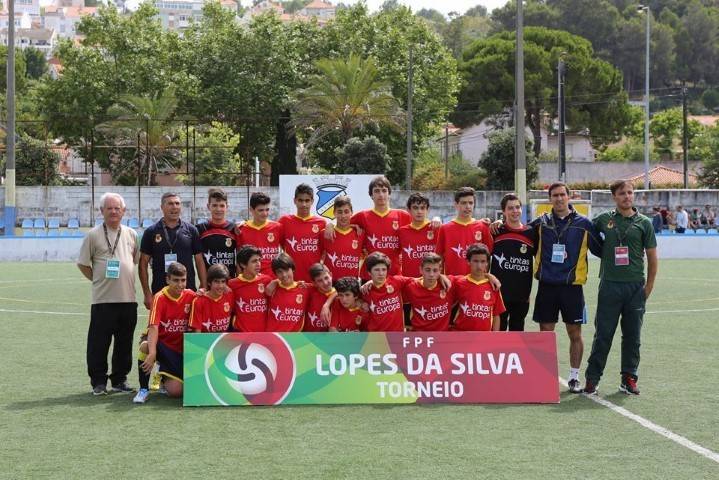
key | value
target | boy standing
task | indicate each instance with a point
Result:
(168, 321)
(248, 290)
(479, 304)
(343, 254)
(431, 303)
(213, 311)
(303, 233)
(347, 316)
(261, 232)
(418, 237)
(218, 235)
(288, 302)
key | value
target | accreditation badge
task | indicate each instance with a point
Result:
(169, 258)
(621, 256)
(558, 253)
(112, 270)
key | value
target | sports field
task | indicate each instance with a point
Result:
(51, 426)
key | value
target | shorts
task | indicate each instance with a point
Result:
(170, 362)
(553, 299)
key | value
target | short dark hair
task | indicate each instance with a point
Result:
(376, 258)
(167, 195)
(259, 198)
(317, 269)
(216, 193)
(557, 185)
(477, 249)
(304, 188)
(246, 252)
(617, 184)
(343, 201)
(348, 284)
(282, 262)
(417, 199)
(432, 258)
(463, 192)
(176, 269)
(217, 272)
(379, 182)
(506, 199)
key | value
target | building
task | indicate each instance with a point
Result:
(178, 14)
(320, 10)
(64, 19)
(43, 39)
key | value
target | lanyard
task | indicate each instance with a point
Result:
(622, 235)
(564, 230)
(167, 236)
(107, 239)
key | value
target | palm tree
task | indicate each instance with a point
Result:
(346, 95)
(145, 122)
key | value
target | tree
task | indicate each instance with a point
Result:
(498, 161)
(346, 96)
(709, 176)
(147, 123)
(697, 44)
(595, 99)
(665, 126)
(362, 156)
(20, 69)
(35, 62)
(35, 163)
(214, 155)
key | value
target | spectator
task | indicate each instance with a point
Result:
(707, 218)
(682, 220)
(665, 216)
(657, 220)
(694, 219)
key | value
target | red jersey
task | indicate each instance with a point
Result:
(343, 255)
(212, 315)
(250, 303)
(268, 238)
(315, 302)
(171, 316)
(431, 308)
(382, 234)
(478, 303)
(303, 242)
(453, 239)
(415, 242)
(348, 319)
(385, 305)
(287, 309)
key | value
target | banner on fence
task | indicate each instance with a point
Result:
(342, 368)
(326, 188)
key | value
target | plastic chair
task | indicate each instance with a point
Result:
(133, 223)
(66, 233)
(125, 221)
(53, 232)
(27, 223)
(147, 222)
(28, 232)
(39, 223)
(53, 223)
(73, 223)
(98, 221)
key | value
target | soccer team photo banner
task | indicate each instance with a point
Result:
(344, 368)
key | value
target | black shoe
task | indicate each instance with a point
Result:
(574, 386)
(590, 388)
(629, 385)
(122, 388)
(99, 389)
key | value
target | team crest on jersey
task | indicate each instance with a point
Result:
(395, 224)
(442, 293)
(270, 237)
(487, 295)
(355, 244)
(226, 307)
(430, 234)
(228, 242)
(187, 308)
(523, 248)
(261, 287)
(315, 228)
(358, 320)
(390, 289)
(158, 238)
(299, 298)
(610, 224)
(478, 236)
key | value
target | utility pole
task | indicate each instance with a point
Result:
(446, 150)
(10, 206)
(410, 93)
(562, 157)
(685, 137)
(645, 9)
(520, 160)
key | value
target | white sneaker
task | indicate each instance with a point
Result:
(142, 395)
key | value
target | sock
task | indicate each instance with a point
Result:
(144, 378)
(573, 374)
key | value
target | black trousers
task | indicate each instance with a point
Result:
(110, 322)
(513, 318)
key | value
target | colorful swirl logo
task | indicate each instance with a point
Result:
(256, 368)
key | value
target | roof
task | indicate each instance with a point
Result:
(319, 5)
(32, 33)
(706, 120)
(661, 175)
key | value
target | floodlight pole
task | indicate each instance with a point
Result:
(520, 160)
(647, 185)
(410, 93)
(10, 205)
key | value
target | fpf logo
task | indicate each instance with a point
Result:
(257, 368)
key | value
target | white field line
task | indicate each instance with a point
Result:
(40, 280)
(648, 424)
(695, 310)
(72, 314)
